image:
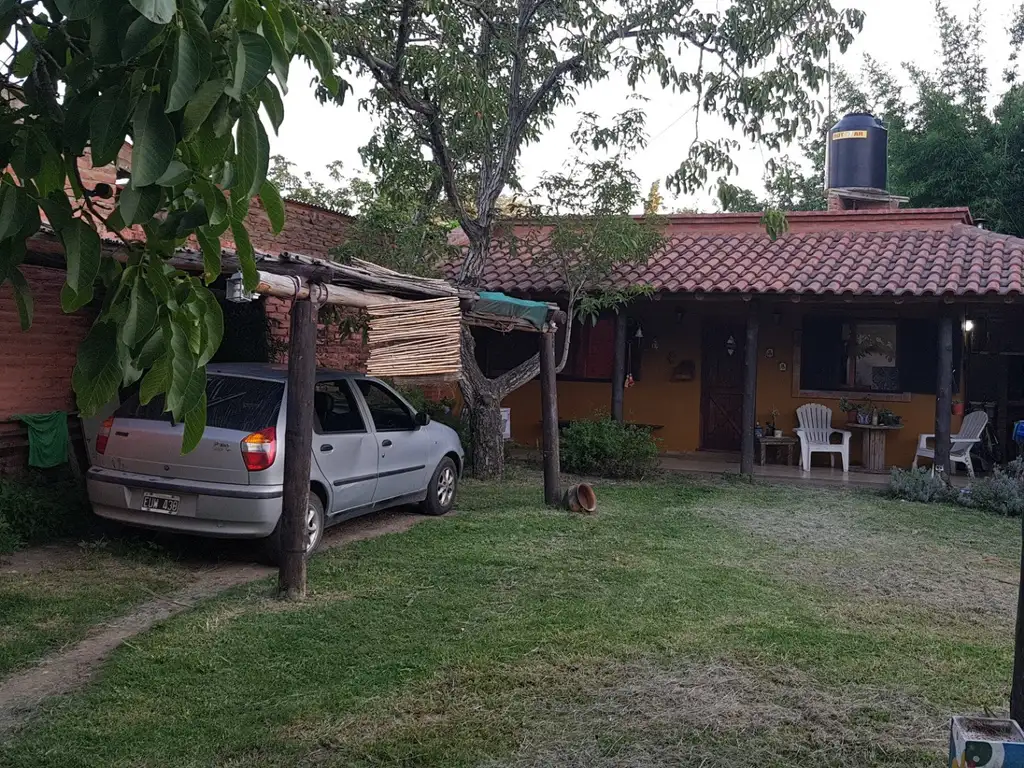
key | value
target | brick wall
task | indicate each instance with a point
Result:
(334, 348)
(308, 230)
(36, 365)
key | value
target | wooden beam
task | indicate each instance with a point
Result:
(944, 395)
(619, 367)
(288, 287)
(749, 392)
(298, 438)
(1017, 681)
(549, 419)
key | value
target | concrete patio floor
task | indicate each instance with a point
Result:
(717, 463)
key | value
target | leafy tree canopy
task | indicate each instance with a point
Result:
(184, 81)
(340, 196)
(461, 86)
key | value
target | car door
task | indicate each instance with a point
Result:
(344, 447)
(403, 447)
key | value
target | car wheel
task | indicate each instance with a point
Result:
(442, 488)
(314, 531)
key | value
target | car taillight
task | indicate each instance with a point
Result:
(260, 449)
(104, 435)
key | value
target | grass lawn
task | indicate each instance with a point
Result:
(715, 625)
(63, 593)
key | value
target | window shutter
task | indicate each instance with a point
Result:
(821, 353)
(601, 349)
(917, 355)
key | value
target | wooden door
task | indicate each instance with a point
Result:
(721, 409)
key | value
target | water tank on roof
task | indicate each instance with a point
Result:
(857, 154)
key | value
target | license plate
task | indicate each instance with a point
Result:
(160, 502)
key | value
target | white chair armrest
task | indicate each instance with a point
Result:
(922, 440)
(965, 440)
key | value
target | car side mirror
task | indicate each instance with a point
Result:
(421, 418)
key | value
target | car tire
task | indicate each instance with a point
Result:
(442, 488)
(315, 528)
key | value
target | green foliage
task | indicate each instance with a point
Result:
(583, 213)
(946, 148)
(472, 83)
(341, 196)
(41, 506)
(1002, 494)
(918, 485)
(185, 81)
(606, 448)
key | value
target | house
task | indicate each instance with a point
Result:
(36, 365)
(846, 304)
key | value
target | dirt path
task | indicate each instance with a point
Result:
(22, 694)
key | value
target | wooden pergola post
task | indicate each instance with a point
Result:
(749, 392)
(298, 439)
(549, 419)
(619, 366)
(944, 395)
(1017, 681)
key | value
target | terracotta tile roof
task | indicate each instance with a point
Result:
(878, 253)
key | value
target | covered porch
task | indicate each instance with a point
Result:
(721, 463)
(907, 313)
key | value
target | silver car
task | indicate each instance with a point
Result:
(371, 451)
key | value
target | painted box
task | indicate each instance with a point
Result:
(985, 742)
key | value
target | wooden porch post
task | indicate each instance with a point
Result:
(619, 367)
(944, 395)
(749, 392)
(1003, 406)
(549, 419)
(298, 441)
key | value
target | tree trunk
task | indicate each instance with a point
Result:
(486, 434)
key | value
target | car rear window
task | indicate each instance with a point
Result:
(232, 402)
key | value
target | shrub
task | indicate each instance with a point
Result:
(608, 449)
(41, 506)
(918, 485)
(1002, 494)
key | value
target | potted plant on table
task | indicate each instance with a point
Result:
(887, 418)
(772, 429)
(850, 409)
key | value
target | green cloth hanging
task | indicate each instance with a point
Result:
(48, 438)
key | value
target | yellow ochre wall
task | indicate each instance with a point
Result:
(656, 399)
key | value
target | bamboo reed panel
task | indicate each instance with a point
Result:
(415, 339)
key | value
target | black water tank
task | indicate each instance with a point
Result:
(858, 154)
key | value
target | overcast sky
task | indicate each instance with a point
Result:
(895, 31)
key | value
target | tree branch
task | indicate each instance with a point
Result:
(403, 40)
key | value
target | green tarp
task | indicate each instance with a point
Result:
(493, 303)
(47, 438)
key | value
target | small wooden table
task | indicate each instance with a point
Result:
(787, 442)
(874, 445)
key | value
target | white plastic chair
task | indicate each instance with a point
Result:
(960, 444)
(815, 432)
